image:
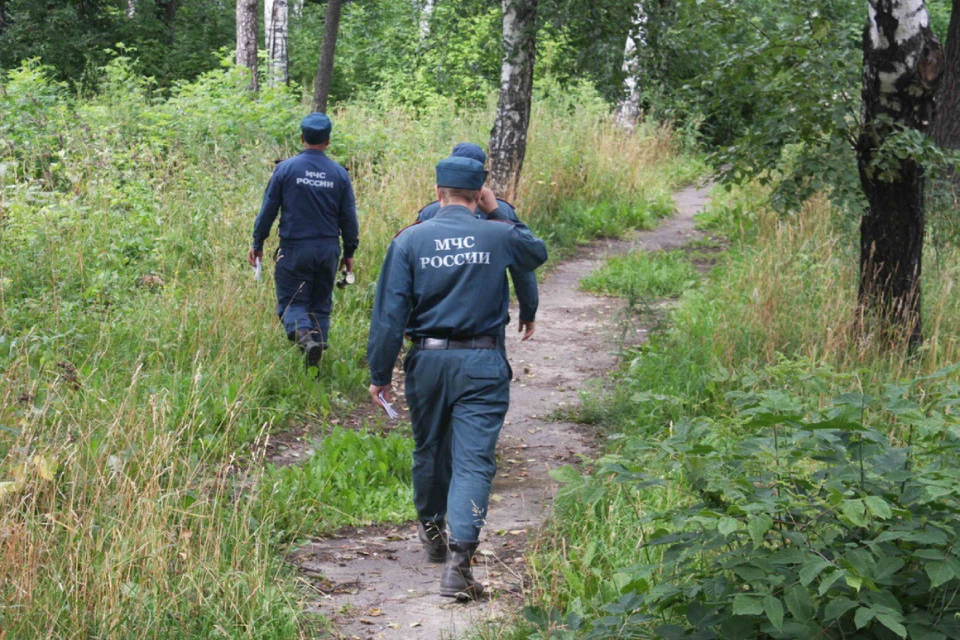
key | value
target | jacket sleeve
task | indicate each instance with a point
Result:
(272, 198)
(349, 227)
(391, 310)
(526, 252)
(524, 282)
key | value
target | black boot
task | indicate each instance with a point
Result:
(312, 349)
(434, 540)
(457, 580)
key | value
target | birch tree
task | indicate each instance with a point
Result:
(247, 27)
(425, 14)
(902, 63)
(275, 22)
(321, 85)
(628, 109)
(131, 8)
(508, 141)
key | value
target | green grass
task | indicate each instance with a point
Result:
(643, 275)
(353, 479)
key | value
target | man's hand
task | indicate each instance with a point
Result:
(488, 201)
(252, 257)
(375, 391)
(527, 329)
(347, 263)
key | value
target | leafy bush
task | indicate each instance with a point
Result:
(642, 274)
(837, 522)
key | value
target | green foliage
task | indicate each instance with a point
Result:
(644, 275)
(354, 478)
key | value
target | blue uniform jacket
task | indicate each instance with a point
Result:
(316, 199)
(524, 282)
(445, 278)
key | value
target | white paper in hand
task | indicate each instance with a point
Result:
(393, 415)
(257, 270)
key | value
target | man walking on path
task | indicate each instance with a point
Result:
(443, 285)
(315, 199)
(524, 283)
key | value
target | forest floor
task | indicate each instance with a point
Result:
(374, 582)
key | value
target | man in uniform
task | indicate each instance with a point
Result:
(315, 199)
(442, 283)
(524, 283)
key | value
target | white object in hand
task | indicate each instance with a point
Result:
(393, 415)
(257, 270)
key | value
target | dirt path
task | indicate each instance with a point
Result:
(377, 584)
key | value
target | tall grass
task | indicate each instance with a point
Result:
(140, 362)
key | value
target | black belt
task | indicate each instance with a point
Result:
(477, 342)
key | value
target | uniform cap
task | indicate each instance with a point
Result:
(469, 150)
(460, 173)
(316, 128)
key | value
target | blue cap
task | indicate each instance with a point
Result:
(316, 128)
(469, 150)
(460, 173)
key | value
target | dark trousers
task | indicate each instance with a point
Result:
(305, 277)
(458, 399)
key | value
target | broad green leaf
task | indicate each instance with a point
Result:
(566, 475)
(811, 569)
(939, 572)
(854, 582)
(878, 506)
(759, 526)
(892, 621)
(800, 603)
(855, 511)
(744, 605)
(774, 611)
(863, 617)
(838, 607)
(727, 526)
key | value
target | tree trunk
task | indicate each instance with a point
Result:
(298, 9)
(628, 109)
(508, 140)
(275, 14)
(131, 8)
(946, 125)
(902, 63)
(4, 20)
(247, 26)
(168, 13)
(321, 85)
(425, 14)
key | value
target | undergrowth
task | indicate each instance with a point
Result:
(140, 363)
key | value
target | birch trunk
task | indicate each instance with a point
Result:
(321, 85)
(628, 109)
(247, 27)
(425, 14)
(131, 8)
(508, 140)
(275, 25)
(902, 63)
(298, 9)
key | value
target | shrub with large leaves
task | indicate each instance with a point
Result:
(841, 523)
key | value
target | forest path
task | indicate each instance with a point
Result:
(376, 583)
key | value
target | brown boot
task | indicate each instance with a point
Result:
(457, 580)
(434, 540)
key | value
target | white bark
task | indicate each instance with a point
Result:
(425, 14)
(298, 8)
(508, 141)
(275, 14)
(131, 8)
